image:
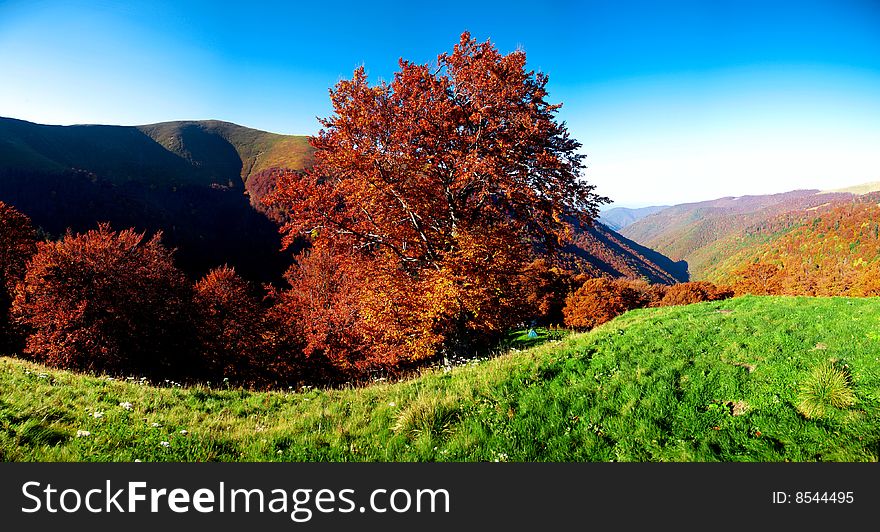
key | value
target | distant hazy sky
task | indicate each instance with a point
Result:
(673, 101)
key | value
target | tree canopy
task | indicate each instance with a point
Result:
(445, 183)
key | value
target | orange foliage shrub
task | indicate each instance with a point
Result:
(868, 283)
(230, 327)
(650, 293)
(106, 301)
(319, 317)
(692, 292)
(600, 300)
(18, 242)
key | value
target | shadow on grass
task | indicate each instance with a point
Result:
(521, 339)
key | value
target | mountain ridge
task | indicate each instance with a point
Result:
(617, 218)
(200, 183)
(706, 233)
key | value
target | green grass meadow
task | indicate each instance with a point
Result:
(719, 381)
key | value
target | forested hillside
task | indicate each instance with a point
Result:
(186, 179)
(706, 233)
(831, 250)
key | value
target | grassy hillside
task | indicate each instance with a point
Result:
(165, 154)
(707, 382)
(256, 150)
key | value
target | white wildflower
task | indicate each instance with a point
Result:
(165, 444)
(154, 425)
(392, 404)
(137, 461)
(82, 433)
(97, 414)
(126, 405)
(184, 432)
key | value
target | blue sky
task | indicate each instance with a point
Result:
(673, 101)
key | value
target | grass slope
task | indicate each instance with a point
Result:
(709, 382)
(257, 150)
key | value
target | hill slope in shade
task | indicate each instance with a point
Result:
(200, 183)
(689, 232)
(602, 252)
(187, 179)
(170, 153)
(201, 142)
(619, 217)
(715, 381)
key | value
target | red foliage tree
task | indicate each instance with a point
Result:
(440, 184)
(868, 284)
(348, 316)
(759, 278)
(692, 292)
(18, 242)
(547, 287)
(106, 301)
(600, 300)
(321, 313)
(230, 326)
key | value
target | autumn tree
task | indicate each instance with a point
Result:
(600, 300)
(759, 278)
(18, 242)
(320, 315)
(868, 284)
(230, 327)
(441, 184)
(106, 301)
(547, 287)
(693, 292)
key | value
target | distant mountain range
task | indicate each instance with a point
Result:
(830, 250)
(715, 237)
(617, 218)
(200, 183)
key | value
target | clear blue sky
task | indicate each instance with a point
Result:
(673, 101)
